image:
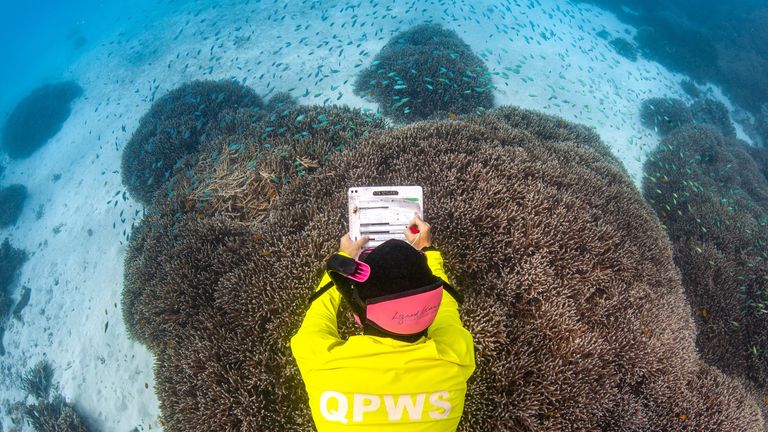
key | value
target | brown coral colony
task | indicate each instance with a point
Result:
(580, 318)
(592, 306)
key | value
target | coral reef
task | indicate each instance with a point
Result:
(742, 65)
(760, 156)
(664, 114)
(690, 88)
(722, 42)
(280, 101)
(577, 310)
(714, 113)
(424, 70)
(712, 197)
(55, 415)
(761, 125)
(46, 413)
(624, 48)
(11, 260)
(37, 381)
(173, 128)
(38, 117)
(679, 48)
(246, 162)
(11, 203)
(240, 175)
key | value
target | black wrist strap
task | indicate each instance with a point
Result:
(316, 295)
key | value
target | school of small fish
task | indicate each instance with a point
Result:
(540, 54)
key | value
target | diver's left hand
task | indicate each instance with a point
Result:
(351, 248)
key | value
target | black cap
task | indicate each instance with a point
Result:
(396, 266)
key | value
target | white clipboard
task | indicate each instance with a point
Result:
(383, 212)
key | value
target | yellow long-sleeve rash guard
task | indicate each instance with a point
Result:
(370, 383)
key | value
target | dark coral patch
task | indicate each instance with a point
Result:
(11, 260)
(38, 117)
(624, 48)
(173, 128)
(425, 70)
(713, 113)
(11, 204)
(664, 115)
(711, 192)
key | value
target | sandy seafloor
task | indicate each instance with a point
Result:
(312, 49)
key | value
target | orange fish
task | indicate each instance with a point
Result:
(682, 417)
(452, 115)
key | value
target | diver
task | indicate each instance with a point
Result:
(408, 370)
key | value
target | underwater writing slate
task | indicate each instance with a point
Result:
(382, 212)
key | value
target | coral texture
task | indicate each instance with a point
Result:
(713, 198)
(244, 165)
(56, 415)
(11, 260)
(425, 70)
(578, 313)
(760, 126)
(714, 113)
(47, 413)
(38, 117)
(280, 101)
(173, 128)
(715, 41)
(246, 161)
(690, 88)
(624, 48)
(11, 204)
(37, 381)
(665, 114)
(680, 48)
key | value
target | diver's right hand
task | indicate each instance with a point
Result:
(421, 239)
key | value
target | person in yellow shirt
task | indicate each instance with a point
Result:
(408, 370)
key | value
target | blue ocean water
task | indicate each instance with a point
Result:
(41, 39)
(677, 91)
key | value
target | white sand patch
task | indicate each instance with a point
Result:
(545, 55)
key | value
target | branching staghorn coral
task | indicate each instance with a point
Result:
(714, 113)
(243, 168)
(664, 115)
(712, 196)
(173, 128)
(55, 415)
(577, 310)
(425, 70)
(37, 381)
(47, 413)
